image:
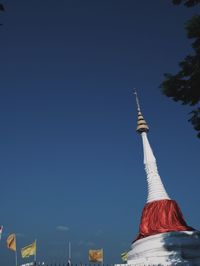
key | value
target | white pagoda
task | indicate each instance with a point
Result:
(164, 237)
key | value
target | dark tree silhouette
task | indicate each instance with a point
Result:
(2, 7)
(185, 85)
(187, 3)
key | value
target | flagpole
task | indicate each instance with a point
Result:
(69, 250)
(69, 259)
(16, 257)
(1, 232)
(35, 252)
(16, 252)
(103, 256)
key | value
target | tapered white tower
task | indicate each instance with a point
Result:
(156, 190)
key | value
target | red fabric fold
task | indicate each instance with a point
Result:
(161, 216)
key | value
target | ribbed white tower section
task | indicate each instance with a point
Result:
(156, 190)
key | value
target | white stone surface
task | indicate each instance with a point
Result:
(173, 248)
(156, 190)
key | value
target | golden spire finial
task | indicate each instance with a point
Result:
(141, 123)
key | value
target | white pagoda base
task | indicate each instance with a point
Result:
(173, 248)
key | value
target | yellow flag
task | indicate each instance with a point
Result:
(124, 256)
(96, 255)
(29, 250)
(11, 242)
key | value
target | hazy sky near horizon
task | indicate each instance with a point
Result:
(71, 163)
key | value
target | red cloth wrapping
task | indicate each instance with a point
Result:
(161, 216)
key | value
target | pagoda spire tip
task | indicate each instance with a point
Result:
(137, 100)
(141, 123)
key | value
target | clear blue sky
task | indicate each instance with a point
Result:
(71, 163)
